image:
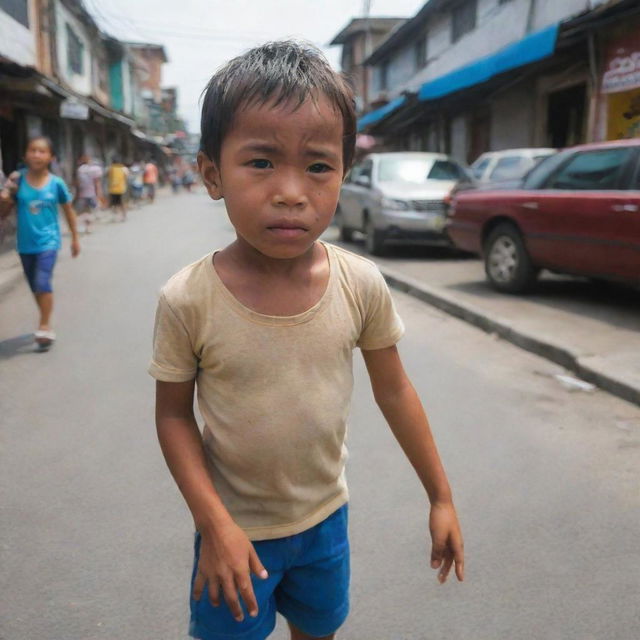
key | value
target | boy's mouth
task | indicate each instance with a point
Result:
(288, 228)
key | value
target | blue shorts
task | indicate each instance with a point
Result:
(308, 584)
(38, 269)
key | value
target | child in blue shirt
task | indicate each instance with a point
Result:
(37, 193)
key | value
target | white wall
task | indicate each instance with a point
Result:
(513, 118)
(459, 138)
(78, 82)
(17, 43)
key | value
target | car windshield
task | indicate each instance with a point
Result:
(416, 170)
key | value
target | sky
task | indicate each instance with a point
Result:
(201, 35)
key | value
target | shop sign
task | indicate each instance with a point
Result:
(622, 66)
(74, 110)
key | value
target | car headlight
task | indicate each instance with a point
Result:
(395, 205)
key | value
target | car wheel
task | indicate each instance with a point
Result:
(374, 238)
(506, 261)
(346, 233)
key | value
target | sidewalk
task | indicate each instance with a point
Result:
(593, 331)
(10, 270)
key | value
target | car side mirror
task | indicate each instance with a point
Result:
(363, 181)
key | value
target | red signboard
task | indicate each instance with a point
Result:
(622, 65)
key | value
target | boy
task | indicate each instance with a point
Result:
(266, 327)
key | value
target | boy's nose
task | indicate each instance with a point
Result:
(290, 193)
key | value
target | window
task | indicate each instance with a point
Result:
(367, 169)
(463, 19)
(510, 168)
(347, 57)
(417, 169)
(17, 9)
(420, 52)
(383, 73)
(75, 51)
(478, 168)
(445, 170)
(592, 170)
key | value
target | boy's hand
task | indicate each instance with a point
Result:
(227, 558)
(447, 546)
(75, 247)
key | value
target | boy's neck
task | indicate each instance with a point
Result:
(247, 258)
(36, 175)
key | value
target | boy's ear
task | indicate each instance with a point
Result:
(210, 176)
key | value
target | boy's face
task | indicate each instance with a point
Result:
(38, 155)
(280, 174)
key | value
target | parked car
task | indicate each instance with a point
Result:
(577, 212)
(510, 164)
(398, 197)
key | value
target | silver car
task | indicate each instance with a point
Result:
(398, 197)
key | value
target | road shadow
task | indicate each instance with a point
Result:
(610, 303)
(415, 252)
(17, 346)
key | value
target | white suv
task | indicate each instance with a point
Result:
(510, 164)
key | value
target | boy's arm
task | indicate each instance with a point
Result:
(7, 194)
(401, 407)
(6, 203)
(70, 215)
(227, 556)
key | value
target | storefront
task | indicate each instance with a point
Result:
(620, 86)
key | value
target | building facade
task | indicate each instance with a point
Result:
(358, 39)
(62, 77)
(468, 76)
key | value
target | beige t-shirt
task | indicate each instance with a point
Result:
(274, 391)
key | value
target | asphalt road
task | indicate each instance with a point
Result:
(95, 541)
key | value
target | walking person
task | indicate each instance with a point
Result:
(36, 194)
(265, 328)
(150, 180)
(135, 183)
(117, 184)
(88, 185)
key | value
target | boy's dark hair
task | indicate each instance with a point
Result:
(279, 71)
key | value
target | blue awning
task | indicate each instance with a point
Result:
(382, 112)
(536, 46)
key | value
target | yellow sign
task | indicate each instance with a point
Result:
(624, 115)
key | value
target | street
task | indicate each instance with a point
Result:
(97, 542)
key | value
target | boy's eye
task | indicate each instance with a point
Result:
(260, 163)
(319, 167)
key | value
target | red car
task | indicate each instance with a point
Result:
(576, 212)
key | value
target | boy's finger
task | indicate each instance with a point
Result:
(246, 591)
(198, 585)
(214, 592)
(231, 598)
(460, 568)
(446, 567)
(256, 566)
(437, 553)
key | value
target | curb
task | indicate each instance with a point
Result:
(542, 347)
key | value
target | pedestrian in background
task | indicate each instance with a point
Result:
(135, 183)
(266, 328)
(117, 185)
(37, 193)
(150, 180)
(88, 184)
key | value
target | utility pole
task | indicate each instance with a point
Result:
(366, 10)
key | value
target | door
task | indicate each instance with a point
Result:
(578, 220)
(356, 194)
